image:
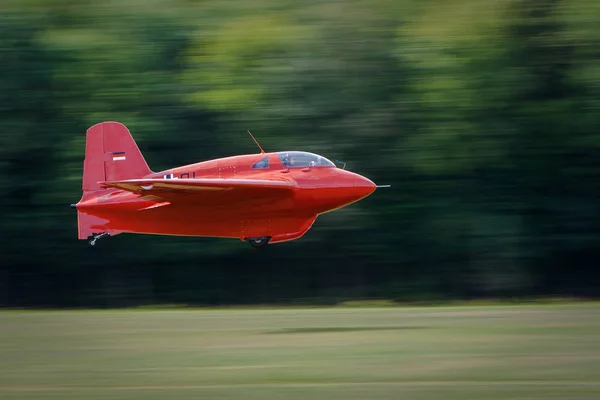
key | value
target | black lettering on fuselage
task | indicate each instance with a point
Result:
(186, 175)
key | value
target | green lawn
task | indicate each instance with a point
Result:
(496, 352)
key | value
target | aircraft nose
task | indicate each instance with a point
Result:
(363, 186)
(341, 189)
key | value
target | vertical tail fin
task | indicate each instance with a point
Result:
(111, 154)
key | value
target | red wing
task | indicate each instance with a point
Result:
(205, 189)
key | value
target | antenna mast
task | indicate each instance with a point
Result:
(261, 149)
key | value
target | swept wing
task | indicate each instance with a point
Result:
(206, 190)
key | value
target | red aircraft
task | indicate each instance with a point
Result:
(260, 198)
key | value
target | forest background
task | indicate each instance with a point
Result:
(483, 116)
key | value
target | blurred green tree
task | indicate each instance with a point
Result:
(484, 117)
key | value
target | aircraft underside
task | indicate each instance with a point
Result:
(257, 229)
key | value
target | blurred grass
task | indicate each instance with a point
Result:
(533, 351)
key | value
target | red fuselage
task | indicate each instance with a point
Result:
(319, 187)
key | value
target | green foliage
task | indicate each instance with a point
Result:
(484, 117)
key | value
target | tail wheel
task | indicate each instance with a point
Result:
(259, 243)
(92, 239)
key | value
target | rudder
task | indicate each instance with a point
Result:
(111, 154)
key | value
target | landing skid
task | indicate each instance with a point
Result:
(92, 239)
(259, 243)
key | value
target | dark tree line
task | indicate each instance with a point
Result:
(484, 118)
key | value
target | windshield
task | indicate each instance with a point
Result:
(303, 159)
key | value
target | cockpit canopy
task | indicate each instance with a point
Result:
(292, 159)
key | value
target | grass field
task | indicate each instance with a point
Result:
(496, 352)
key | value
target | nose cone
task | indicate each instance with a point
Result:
(335, 190)
(363, 187)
